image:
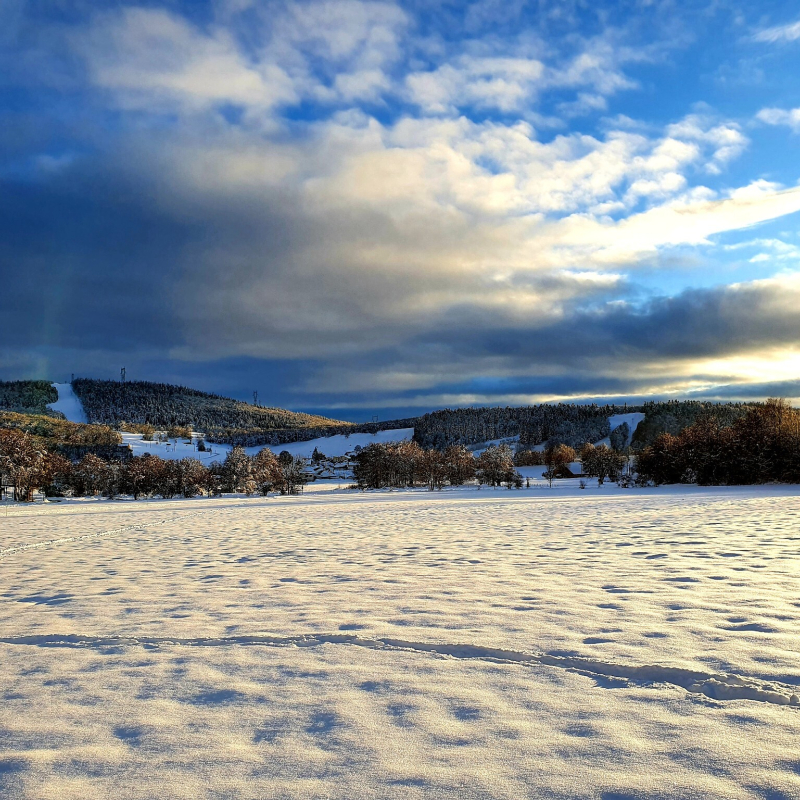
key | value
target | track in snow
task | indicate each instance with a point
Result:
(138, 526)
(717, 686)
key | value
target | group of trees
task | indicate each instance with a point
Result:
(31, 397)
(603, 462)
(559, 423)
(674, 416)
(406, 464)
(58, 431)
(760, 446)
(597, 461)
(28, 465)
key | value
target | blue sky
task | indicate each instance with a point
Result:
(382, 208)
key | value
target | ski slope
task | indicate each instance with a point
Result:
(633, 420)
(68, 403)
(477, 644)
(616, 420)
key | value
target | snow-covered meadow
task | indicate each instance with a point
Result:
(470, 644)
(329, 445)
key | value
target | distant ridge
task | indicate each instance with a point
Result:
(224, 420)
(165, 405)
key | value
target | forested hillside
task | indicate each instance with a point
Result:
(566, 423)
(30, 397)
(674, 416)
(163, 405)
(558, 423)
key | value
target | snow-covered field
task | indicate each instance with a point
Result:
(329, 445)
(464, 644)
(341, 445)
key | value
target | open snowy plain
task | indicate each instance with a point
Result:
(466, 644)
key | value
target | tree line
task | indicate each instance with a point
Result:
(407, 464)
(256, 437)
(761, 446)
(28, 465)
(673, 416)
(56, 430)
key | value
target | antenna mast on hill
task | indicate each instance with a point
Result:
(255, 398)
(122, 375)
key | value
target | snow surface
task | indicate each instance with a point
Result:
(458, 644)
(68, 403)
(341, 445)
(329, 446)
(176, 448)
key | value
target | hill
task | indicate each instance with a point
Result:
(566, 423)
(163, 406)
(229, 421)
(549, 422)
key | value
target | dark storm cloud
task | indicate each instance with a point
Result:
(713, 322)
(83, 268)
(604, 353)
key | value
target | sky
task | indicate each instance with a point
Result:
(383, 208)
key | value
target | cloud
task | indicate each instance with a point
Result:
(515, 83)
(501, 83)
(150, 57)
(725, 140)
(333, 184)
(364, 235)
(790, 32)
(333, 51)
(780, 116)
(699, 342)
